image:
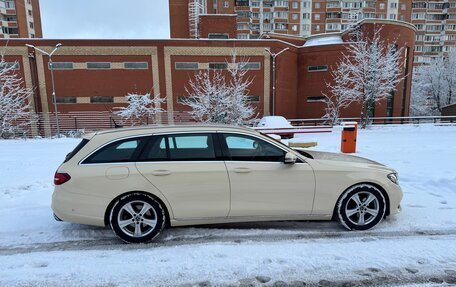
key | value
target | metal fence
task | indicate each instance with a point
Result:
(75, 123)
(379, 120)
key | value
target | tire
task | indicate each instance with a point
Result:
(361, 207)
(147, 218)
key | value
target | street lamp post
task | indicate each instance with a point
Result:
(51, 65)
(274, 56)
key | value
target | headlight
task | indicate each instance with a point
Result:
(393, 177)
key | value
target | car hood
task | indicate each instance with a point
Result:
(320, 155)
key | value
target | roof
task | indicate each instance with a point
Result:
(173, 128)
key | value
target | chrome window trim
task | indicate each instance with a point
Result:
(107, 143)
(80, 163)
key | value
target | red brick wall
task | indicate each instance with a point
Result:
(220, 24)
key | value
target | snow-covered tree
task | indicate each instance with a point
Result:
(434, 86)
(218, 96)
(368, 72)
(140, 107)
(16, 116)
(334, 104)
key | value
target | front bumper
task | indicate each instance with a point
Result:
(395, 196)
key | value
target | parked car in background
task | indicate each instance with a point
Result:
(139, 180)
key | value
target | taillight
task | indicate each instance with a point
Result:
(61, 178)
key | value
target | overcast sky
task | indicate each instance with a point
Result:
(105, 19)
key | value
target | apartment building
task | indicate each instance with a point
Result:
(434, 19)
(436, 29)
(20, 19)
(295, 17)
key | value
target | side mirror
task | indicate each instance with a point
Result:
(290, 158)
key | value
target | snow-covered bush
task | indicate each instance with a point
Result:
(16, 117)
(368, 72)
(140, 108)
(217, 96)
(434, 86)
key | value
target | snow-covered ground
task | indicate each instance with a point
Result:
(417, 246)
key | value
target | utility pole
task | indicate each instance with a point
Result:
(274, 56)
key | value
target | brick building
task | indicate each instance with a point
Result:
(434, 19)
(20, 19)
(95, 75)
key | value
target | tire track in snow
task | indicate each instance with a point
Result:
(112, 243)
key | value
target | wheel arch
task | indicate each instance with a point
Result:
(376, 185)
(111, 205)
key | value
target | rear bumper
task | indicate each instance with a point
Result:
(78, 208)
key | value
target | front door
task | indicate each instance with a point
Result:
(261, 183)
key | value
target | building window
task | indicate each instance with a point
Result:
(101, 99)
(320, 68)
(242, 36)
(294, 28)
(218, 36)
(316, 99)
(10, 5)
(136, 65)
(295, 16)
(98, 65)
(30, 13)
(66, 100)
(29, 2)
(250, 66)
(317, 16)
(10, 65)
(253, 99)
(295, 5)
(241, 3)
(393, 16)
(218, 66)
(11, 31)
(31, 25)
(186, 66)
(32, 35)
(61, 65)
(403, 7)
(382, 6)
(226, 4)
(317, 28)
(317, 5)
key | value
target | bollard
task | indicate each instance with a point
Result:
(349, 133)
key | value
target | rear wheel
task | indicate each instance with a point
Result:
(361, 207)
(137, 218)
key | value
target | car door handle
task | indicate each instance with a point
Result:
(161, 172)
(242, 170)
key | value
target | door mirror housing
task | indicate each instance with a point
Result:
(290, 158)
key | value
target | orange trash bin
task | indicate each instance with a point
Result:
(349, 133)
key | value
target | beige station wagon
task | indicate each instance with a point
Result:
(139, 180)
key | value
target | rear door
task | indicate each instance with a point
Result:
(187, 169)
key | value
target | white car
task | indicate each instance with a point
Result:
(139, 180)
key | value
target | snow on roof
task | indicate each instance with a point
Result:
(324, 40)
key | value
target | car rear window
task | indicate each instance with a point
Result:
(76, 150)
(120, 151)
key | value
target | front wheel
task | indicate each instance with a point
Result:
(137, 218)
(361, 207)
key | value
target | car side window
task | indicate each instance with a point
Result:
(179, 147)
(247, 148)
(119, 151)
(155, 150)
(191, 147)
